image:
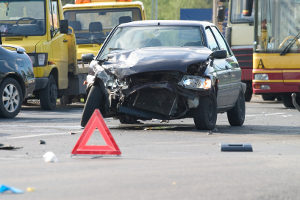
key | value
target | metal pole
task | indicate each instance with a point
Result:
(215, 10)
(156, 8)
(152, 9)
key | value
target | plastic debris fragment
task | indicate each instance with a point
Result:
(50, 157)
(5, 188)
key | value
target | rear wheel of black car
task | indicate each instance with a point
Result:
(236, 115)
(126, 119)
(48, 95)
(93, 102)
(205, 116)
(11, 98)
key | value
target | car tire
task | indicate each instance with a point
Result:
(11, 98)
(287, 101)
(236, 115)
(48, 96)
(93, 102)
(205, 116)
(126, 119)
(268, 97)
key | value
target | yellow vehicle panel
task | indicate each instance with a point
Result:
(90, 46)
(275, 61)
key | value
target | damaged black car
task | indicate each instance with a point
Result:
(165, 70)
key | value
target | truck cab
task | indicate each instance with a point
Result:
(39, 27)
(92, 20)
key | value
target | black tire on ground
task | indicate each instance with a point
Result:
(287, 101)
(93, 102)
(205, 115)
(268, 97)
(236, 115)
(48, 95)
(126, 119)
(248, 93)
(65, 100)
(11, 98)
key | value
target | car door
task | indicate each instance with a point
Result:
(222, 70)
(232, 65)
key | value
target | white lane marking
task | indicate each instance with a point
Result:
(267, 114)
(36, 135)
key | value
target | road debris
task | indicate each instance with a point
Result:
(30, 189)
(236, 147)
(42, 142)
(50, 157)
(9, 147)
(5, 188)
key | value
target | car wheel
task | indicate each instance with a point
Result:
(93, 102)
(48, 95)
(287, 101)
(236, 115)
(268, 97)
(205, 116)
(11, 98)
(126, 119)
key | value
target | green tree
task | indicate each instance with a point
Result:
(170, 9)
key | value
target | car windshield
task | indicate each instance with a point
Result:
(92, 26)
(20, 17)
(130, 38)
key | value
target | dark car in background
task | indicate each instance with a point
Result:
(165, 70)
(16, 80)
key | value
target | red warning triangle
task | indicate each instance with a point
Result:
(96, 122)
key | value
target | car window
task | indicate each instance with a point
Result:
(130, 38)
(220, 40)
(211, 41)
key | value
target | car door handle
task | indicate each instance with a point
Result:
(65, 40)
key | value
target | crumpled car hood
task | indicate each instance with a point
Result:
(149, 59)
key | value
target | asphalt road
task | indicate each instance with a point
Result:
(159, 160)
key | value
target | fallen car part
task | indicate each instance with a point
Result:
(4, 188)
(236, 147)
(3, 147)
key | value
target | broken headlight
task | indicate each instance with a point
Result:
(195, 82)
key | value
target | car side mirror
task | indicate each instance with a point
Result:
(219, 54)
(86, 58)
(63, 26)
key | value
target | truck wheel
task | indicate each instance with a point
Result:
(205, 116)
(65, 99)
(48, 95)
(236, 115)
(268, 97)
(248, 93)
(93, 102)
(287, 101)
(11, 98)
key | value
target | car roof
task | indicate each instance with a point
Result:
(167, 23)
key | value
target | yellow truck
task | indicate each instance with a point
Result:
(92, 20)
(39, 27)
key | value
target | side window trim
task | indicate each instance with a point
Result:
(227, 46)
(208, 28)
